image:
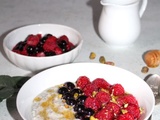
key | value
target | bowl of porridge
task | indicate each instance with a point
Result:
(47, 94)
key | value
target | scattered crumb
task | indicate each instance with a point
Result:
(145, 69)
(92, 55)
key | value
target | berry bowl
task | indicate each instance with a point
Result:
(20, 46)
(106, 83)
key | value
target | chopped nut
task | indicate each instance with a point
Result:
(102, 59)
(92, 55)
(145, 69)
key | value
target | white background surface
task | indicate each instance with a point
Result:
(83, 16)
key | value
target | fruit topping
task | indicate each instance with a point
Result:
(99, 100)
(48, 45)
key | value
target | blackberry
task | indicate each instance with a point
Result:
(69, 85)
(80, 115)
(88, 112)
(71, 102)
(79, 108)
(31, 50)
(81, 99)
(49, 53)
(67, 96)
(20, 46)
(62, 90)
(63, 45)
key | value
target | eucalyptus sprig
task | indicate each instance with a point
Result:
(10, 85)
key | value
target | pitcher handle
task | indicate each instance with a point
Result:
(143, 7)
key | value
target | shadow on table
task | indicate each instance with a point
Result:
(1, 43)
(96, 10)
(12, 109)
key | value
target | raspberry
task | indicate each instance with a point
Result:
(24, 51)
(40, 54)
(125, 116)
(104, 114)
(113, 107)
(103, 97)
(101, 83)
(92, 103)
(64, 37)
(32, 40)
(89, 89)
(50, 44)
(58, 50)
(82, 81)
(133, 110)
(117, 90)
(127, 99)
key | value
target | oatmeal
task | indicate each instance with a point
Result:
(49, 106)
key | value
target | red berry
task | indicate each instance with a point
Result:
(89, 89)
(126, 99)
(92, 103)
(104, 114)
(40, 54)
(113, 107)
(24, 51)
(117, 90)
(125, 116)
(103, 97)
(32, 40)
(64, 37)
(39, 35)
(58, 50)
(101, 83)
(133, 110)
(82, 81)
(50, 44)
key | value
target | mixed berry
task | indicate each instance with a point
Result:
(40, 46)
(99, 100)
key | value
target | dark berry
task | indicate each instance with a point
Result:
(81, 99)
(80, 115)
(49, 53)
(88, 112)
(19, 46)
(62, 90)
(31, 50)
(67, 96)
(38, 49)
(79, 108)
(62, 44)
(76, 92)
(69, 85)
(45, 38)
(71, 101)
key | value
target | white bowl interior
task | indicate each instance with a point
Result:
(37, 63)
(70, 72)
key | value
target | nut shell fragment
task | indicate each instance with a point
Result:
(145, 69)
(92, 55)
(152, 58)
(102, 59)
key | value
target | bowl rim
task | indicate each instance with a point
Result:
(79, 44)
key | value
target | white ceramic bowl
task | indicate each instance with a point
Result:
(41, 63)
(70, 72)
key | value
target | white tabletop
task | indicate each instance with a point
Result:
(82, 15)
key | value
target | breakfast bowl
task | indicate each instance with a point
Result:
(34, 63)
(71, 72)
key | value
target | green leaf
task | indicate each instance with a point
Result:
(9, 85)
(6, 92)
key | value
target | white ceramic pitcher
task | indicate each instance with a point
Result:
(119, 23)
